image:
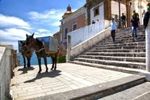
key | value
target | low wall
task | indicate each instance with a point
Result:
(5, 71)
(84, 33)
(75, 51)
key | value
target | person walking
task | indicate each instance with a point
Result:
(113, 29)
(123, 20)
(146, 17)
(135, 13)
(135, 25)
(146, 22)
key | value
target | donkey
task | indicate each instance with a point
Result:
(26, 53)
(42, 52)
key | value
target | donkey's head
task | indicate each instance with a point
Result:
(30, 40)
(25, 50)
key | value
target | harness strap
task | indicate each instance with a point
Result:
(40, 50)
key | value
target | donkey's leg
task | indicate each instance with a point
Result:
(52, 62)
(28, 60)
(39, 61)
(45, 62)
(24, 60)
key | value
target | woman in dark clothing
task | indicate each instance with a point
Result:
(135, 24)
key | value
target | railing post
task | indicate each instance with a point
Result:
(147, 32)
(68, 48)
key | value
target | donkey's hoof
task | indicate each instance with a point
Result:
(39, 72)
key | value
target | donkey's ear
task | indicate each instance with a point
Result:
(27, 35)
(32, 34)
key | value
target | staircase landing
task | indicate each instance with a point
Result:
(27, 84)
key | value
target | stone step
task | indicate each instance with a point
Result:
(122, 41)
(117, 50)
(126, 37)
(96, 91)
(120, 47)
(128, 44)
(131, 54)
(122, 58)
(128, 64)
(130, 94)
(110, 67)
(128, 33)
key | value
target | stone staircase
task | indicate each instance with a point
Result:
(125, 53)
(139, 92)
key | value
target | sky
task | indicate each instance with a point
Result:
(21, 17)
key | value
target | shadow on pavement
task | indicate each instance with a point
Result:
(25, 70)
(51, 74)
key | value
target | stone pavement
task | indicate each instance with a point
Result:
(27, 84)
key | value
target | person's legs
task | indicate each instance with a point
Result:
(133, 33)
(113, 35)
(123, 24)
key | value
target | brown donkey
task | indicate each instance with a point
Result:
(42, 51)
(26, 53)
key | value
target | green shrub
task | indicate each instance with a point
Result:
(62, 59)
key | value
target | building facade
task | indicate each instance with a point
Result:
(108, 9)
(57, 36)
(72, 21)
(99, 12)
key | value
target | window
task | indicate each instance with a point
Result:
(66, 31)
(74, 27)
(96, 11)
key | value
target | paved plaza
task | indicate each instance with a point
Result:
(27, 84)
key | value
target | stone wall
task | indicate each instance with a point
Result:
(5, 71)
(75, 51)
